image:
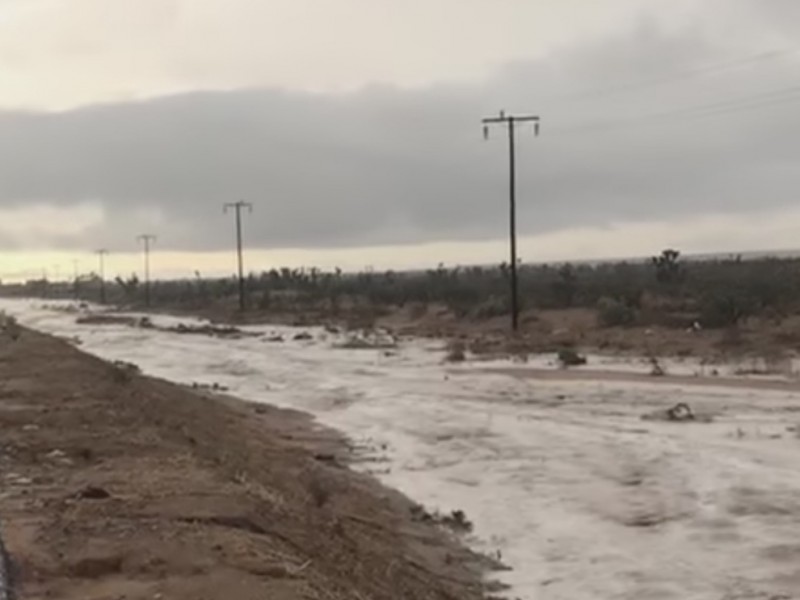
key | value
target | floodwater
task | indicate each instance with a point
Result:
(561, 478)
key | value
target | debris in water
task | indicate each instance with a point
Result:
(656, 370)
(456, 521)
(680, 413)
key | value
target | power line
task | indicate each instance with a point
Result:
(238, 206)
(146, 239)
(511, 121)
(755, 101)
(687, 74)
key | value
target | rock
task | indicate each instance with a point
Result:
(93, 493)
(94, 567)
(680, 412)
(15, 479)
(303, 336)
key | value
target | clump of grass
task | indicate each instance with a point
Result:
(656, 370)
(123, 372)
(319, 492)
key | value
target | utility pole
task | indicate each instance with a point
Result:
(238, 206)
(511, 121)
(146, 239)
(102, 255)
(75, 277)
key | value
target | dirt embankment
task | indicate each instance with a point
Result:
(118, 486)
(541, 331)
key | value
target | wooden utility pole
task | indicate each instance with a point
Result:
(146, 239)
(102, 254)
(75, 278)
(237, 207)
(511, 121)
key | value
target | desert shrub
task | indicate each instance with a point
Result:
(265, 301)
(123, 372)
(461, 299)
(456, 351)
(725, 309)
(565, 287)
(493, 307)
(615, 313)
(418, 310)
(568, 357)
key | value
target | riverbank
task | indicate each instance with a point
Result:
(117, 485)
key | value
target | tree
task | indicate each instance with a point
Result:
(565, 287)
(129, 287)
(668, 267)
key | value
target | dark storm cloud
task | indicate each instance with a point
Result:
(622, 138)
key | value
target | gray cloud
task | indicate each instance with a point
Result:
(622, 139)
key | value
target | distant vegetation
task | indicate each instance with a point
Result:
(666, 290)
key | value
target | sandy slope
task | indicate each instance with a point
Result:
(116, 486)
(561, 477)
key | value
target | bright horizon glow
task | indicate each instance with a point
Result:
(763, 232)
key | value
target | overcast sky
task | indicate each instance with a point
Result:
(353, 126)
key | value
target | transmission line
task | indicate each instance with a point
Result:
(755, 101)
(687, 74)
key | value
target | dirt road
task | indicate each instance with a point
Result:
(118, 486)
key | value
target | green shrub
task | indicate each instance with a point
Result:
(493, 307)
(725, 310)
(613, 313)
(568, 357)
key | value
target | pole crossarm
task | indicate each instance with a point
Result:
(507, 118)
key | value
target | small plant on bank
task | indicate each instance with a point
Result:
(456, 351)
(615, 313)
(567, 357)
